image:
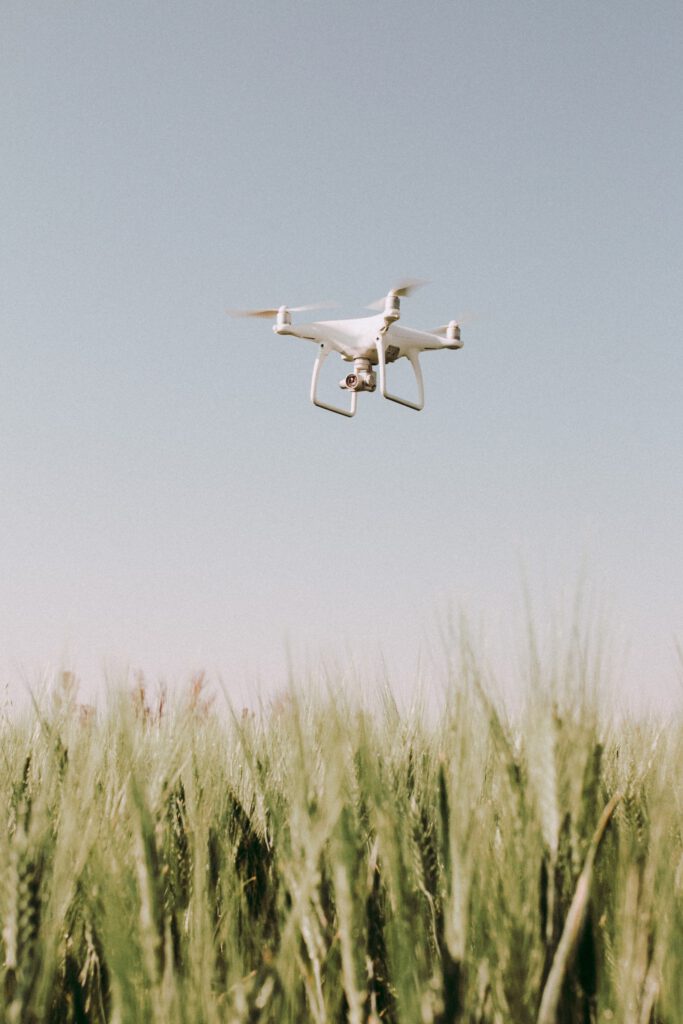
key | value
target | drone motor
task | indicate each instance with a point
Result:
(392, 307)
(453, 333)
(284, 317)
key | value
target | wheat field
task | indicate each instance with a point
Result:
(177, 861)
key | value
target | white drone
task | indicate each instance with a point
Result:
(366, 342)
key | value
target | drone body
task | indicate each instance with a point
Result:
(367, 342)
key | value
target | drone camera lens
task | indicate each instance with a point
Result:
(351, 380)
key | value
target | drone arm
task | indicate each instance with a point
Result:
(322, 356)
(414, 358)
(295, 331)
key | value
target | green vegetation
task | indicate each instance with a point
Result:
(170, 861)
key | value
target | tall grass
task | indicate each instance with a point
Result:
(168, 861)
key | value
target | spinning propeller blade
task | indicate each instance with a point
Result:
(269, 314)
(265, 313)
(459, 320)
(402, 289)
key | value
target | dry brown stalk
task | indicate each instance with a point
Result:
(574, 923)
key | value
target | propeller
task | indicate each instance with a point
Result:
(269, 314)
(402, 289)
(459, 320)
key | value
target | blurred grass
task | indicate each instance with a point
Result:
(164, 860)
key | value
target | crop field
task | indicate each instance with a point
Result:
(176, 861)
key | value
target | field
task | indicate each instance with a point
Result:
(176, 861)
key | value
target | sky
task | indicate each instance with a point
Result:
(170, 501)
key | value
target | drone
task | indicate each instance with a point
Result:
(366, 342)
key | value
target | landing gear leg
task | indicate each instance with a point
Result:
(417, 370)
(322, 356)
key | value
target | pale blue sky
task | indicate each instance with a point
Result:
(170, 499)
